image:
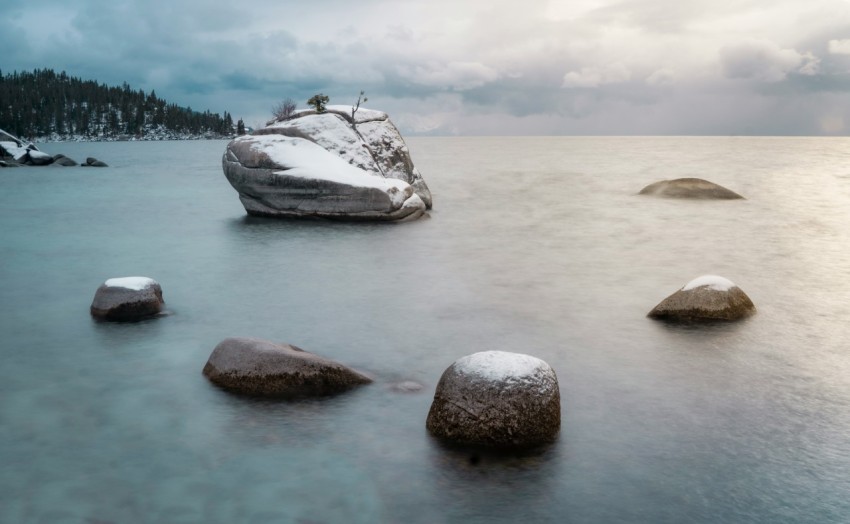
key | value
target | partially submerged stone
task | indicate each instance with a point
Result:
(705, 298)
(689, 188)
(262, 368)
(93, 162)
(496, 399)
(127, 299)
(329, 166)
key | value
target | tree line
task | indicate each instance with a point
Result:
(43, 103)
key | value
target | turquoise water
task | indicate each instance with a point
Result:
(535, 245)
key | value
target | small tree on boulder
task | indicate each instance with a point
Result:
(318, 102)
(284, 109)
(355, 107)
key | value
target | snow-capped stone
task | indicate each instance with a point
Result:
(496, 399)
(319, 164)
(259, 367)
(14, 147)
(127, 298)
(705, 298)
(37, 158)
(689, 188)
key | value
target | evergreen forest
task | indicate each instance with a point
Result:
(45, 104)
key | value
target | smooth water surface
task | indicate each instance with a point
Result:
(535, 245)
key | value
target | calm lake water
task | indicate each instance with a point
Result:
(535, 245)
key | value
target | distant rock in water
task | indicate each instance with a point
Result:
(705, 298)
(689, 188)
(258, 367)
(15, 152)
(93, 162)
(37, 158)
(323, 165)
(62, 160)
(127, 299)
(496, 399)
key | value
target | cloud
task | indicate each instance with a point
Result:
(764, 61)
(456, 76)
(568, 66)
(594, 76)
(839, 47)
(661, 77)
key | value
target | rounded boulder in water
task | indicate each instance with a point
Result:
(695, 188)
(705, 298)
(258, 367)
(127, 299)
(496, 399)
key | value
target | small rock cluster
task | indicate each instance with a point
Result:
(14, 152)
(490, 399)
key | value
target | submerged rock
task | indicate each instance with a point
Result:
(705, 298)
(258, 367)
(326, 165)
(689, 188)
(93, 162)
(496, 399)
(127, 299)
(62, 160)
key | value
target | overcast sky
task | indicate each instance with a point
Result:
(578, 67)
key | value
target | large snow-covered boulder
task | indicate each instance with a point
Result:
(496, 399)
(705, 298)
(689, 188)
(258, 367)
(127, 299)
(324, 165)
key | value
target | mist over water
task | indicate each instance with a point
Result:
(535, 245)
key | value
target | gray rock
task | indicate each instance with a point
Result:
(37, 158)
(496, 399)
(258, 367)
(93, 162)
(336, 169)
(689, 188)
(62, 160)
(127, 299)
(707, 298)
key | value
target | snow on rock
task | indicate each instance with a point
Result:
(502, 366)
(374, 144)
(706, 298)
(127, 299)
(14, 146)
(496, 399)
(320, 165)
(134, 283)
(712, 281)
